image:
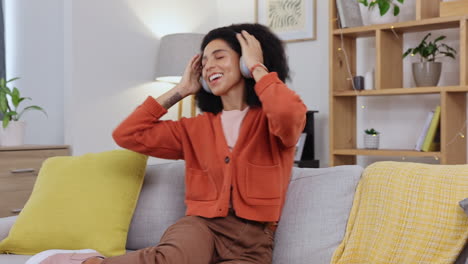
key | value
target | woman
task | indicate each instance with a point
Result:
(238, 153)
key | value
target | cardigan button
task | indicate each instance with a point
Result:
(227, 159)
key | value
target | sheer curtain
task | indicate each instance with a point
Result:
(2, 46)
(2, 43)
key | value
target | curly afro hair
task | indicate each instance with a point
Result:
(274, 58)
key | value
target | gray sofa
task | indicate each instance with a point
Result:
(312, 225)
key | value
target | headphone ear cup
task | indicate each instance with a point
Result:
(244, 69)
(205, 85)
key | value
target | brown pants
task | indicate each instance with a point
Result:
(198, 240)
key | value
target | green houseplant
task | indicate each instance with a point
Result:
(384, 5)
(427, 71)
(379, 10)
(371, 139)
(371, 132)
(12, 129)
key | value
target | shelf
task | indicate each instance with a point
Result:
(385, 152)
(402, 91)
(32, 147)
(403, 27)
(390, 40)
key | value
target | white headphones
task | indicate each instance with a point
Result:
(244, 71)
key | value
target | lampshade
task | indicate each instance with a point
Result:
(175, 51)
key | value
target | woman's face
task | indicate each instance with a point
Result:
(221, 67)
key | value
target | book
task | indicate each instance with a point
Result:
(423, 134)
(349, 14)
(435, 144)
(430, 143)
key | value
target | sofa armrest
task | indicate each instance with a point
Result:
(5, 225)
(463, 258)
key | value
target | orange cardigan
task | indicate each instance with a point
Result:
(257, 170)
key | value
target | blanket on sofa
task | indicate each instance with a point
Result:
(406, 213)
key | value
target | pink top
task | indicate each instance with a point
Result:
(231, 121)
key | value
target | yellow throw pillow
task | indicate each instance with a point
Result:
(405, 212)
(80, 202)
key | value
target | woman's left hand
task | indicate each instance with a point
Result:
(252, 53)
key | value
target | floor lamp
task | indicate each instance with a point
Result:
(175, 51)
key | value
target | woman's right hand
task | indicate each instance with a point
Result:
(190, 83)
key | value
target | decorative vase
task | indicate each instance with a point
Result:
(371, 141)
(427, 73)
(13, 134)
(369, 80)
(374, 16)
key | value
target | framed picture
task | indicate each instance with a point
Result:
(300, 147)
(291, 20)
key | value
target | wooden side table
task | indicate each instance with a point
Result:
(19, 167)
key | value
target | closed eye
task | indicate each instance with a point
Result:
(218, 58)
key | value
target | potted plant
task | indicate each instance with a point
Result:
(12, 129)
(371, 139)
(427, 71)
(379, 10)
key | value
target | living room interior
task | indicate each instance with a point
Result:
(101, 57)
(90, 63)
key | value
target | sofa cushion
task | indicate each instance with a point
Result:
(464, 205)
(14, 259)
(315, 214)
(463, 257)
(5, 225)
(80, 202)
(160, 205)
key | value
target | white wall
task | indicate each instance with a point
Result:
(113, 49)
(34, 45)
(308, 62)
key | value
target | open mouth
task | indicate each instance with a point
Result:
(215, 76)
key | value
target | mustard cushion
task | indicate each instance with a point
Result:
(80, 202)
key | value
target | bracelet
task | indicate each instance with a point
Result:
(258, 65)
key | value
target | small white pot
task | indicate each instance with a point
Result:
(371, 141)
(374, 16)
(13, 134)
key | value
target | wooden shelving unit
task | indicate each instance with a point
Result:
(386, 152)
(403, 91)
(389, 48)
